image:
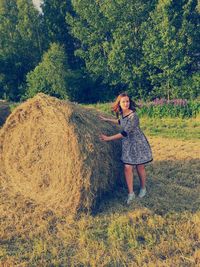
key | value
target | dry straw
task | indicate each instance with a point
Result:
(50, 152)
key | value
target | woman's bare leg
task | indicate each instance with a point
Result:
(142, 175)
(128, 172)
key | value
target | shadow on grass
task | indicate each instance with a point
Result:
(173, 186)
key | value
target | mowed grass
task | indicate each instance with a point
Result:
(163, 229)
(172, 127)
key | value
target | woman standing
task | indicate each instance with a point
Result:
(136, 150)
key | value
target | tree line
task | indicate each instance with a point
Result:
(89, 51)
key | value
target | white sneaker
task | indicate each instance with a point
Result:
(130, 198)
(142, 193)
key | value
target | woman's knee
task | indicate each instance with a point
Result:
(128, 168)
(140, 167)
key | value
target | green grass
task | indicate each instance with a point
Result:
(172, 127)
(164, 127)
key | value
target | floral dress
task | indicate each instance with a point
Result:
(135, 146)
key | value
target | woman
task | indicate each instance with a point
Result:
(135, 146)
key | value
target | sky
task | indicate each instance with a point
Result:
(37, 3)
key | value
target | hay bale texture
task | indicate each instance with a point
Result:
(50, 152)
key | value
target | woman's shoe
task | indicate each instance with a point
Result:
(130, 198)
(143, 192)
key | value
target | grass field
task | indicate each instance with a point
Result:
(164, 127)
(163, 229)
(185, 129)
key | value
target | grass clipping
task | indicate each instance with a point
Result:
(50, 152)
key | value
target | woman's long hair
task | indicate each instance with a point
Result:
(116, 106)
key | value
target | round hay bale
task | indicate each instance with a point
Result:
(50, 152)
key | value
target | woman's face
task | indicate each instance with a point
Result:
(124, 103)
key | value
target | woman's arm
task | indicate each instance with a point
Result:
(108, 119)
(104, 137)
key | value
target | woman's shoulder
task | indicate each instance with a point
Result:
(132, 115)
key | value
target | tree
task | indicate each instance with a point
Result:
(31, 29)
(110, 40)
(21, 44)
(169, 45)
(52, 74)
(54, 15)
(8, 40)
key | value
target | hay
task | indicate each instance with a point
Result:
(50, 152)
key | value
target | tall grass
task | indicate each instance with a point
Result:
(175, 108)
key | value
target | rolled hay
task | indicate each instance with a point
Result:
(50, 152)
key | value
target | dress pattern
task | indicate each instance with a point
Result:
(135, 146)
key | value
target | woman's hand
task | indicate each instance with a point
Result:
(103, 118)
(108, 119)
(104, 137)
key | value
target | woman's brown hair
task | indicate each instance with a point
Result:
(116, 106)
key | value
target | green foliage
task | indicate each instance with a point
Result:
(57, 30)
(148, 48)
(191, 86)
(21, 45)
(170, 36)
(51, 75)
(110, 40)
(84, 89)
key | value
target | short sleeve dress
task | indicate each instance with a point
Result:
(135, 146)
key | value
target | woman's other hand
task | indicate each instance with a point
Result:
(104, 137)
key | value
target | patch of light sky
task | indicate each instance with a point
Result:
(37, 4)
